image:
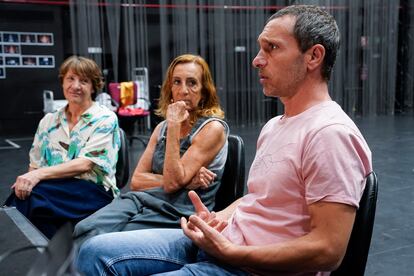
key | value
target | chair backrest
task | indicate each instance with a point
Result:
(357, 251)
(232, 182)
(122, 165)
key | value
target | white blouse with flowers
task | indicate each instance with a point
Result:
(94, 137)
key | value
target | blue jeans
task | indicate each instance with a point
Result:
(147, 252)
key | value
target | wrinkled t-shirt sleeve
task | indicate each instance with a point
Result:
(335, 164)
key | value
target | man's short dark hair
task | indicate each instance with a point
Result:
(314, 26)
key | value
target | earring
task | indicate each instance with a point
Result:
(172, 100)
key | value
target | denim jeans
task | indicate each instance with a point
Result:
(147, 252)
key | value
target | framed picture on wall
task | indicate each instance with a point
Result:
(2, 73)
(12, 61)
(44, 39)
(29, 61)
(11, 37)
(1, 49)
(1, 37)
(46, 61)
(11, 49)
(1, 61)
(28, 38)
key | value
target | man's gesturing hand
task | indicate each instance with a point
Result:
(204, 229)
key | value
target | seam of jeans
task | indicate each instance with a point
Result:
(112, 261)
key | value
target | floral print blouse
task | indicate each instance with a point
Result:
(94, 137)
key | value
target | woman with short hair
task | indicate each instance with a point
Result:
(73, 156)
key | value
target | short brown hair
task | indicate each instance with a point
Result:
(83, 67)
(209, 104)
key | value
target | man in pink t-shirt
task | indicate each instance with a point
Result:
(316, 156)
(304, 185)
(309, 172)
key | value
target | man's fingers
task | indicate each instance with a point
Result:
(202, 225)
(213, 222)
(189, 230)
(203, 215)
(198, 205)
(183, 223)
(220, 227)
(185, 227)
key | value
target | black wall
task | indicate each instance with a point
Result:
(21, 93)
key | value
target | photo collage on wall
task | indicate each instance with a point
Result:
(12, 56)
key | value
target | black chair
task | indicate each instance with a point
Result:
(58, 257)
(357, 252)
(122, 165)
(232, 182)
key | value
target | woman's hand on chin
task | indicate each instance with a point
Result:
(177, 112)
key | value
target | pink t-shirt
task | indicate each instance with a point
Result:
(318, 155)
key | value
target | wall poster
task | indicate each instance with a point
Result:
(12, 55)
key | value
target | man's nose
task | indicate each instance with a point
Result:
(259, 61)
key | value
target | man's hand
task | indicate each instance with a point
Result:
(202, 179)
(25, 183)
(204, 214)
(207, 237)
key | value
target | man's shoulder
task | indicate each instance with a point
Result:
(329, 114)
(335, 125)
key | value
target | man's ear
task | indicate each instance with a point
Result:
(315, 56)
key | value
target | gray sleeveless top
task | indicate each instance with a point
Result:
(175, 205)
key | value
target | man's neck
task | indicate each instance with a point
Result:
(307, 96)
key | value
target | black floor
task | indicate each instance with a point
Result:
(392, 142)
